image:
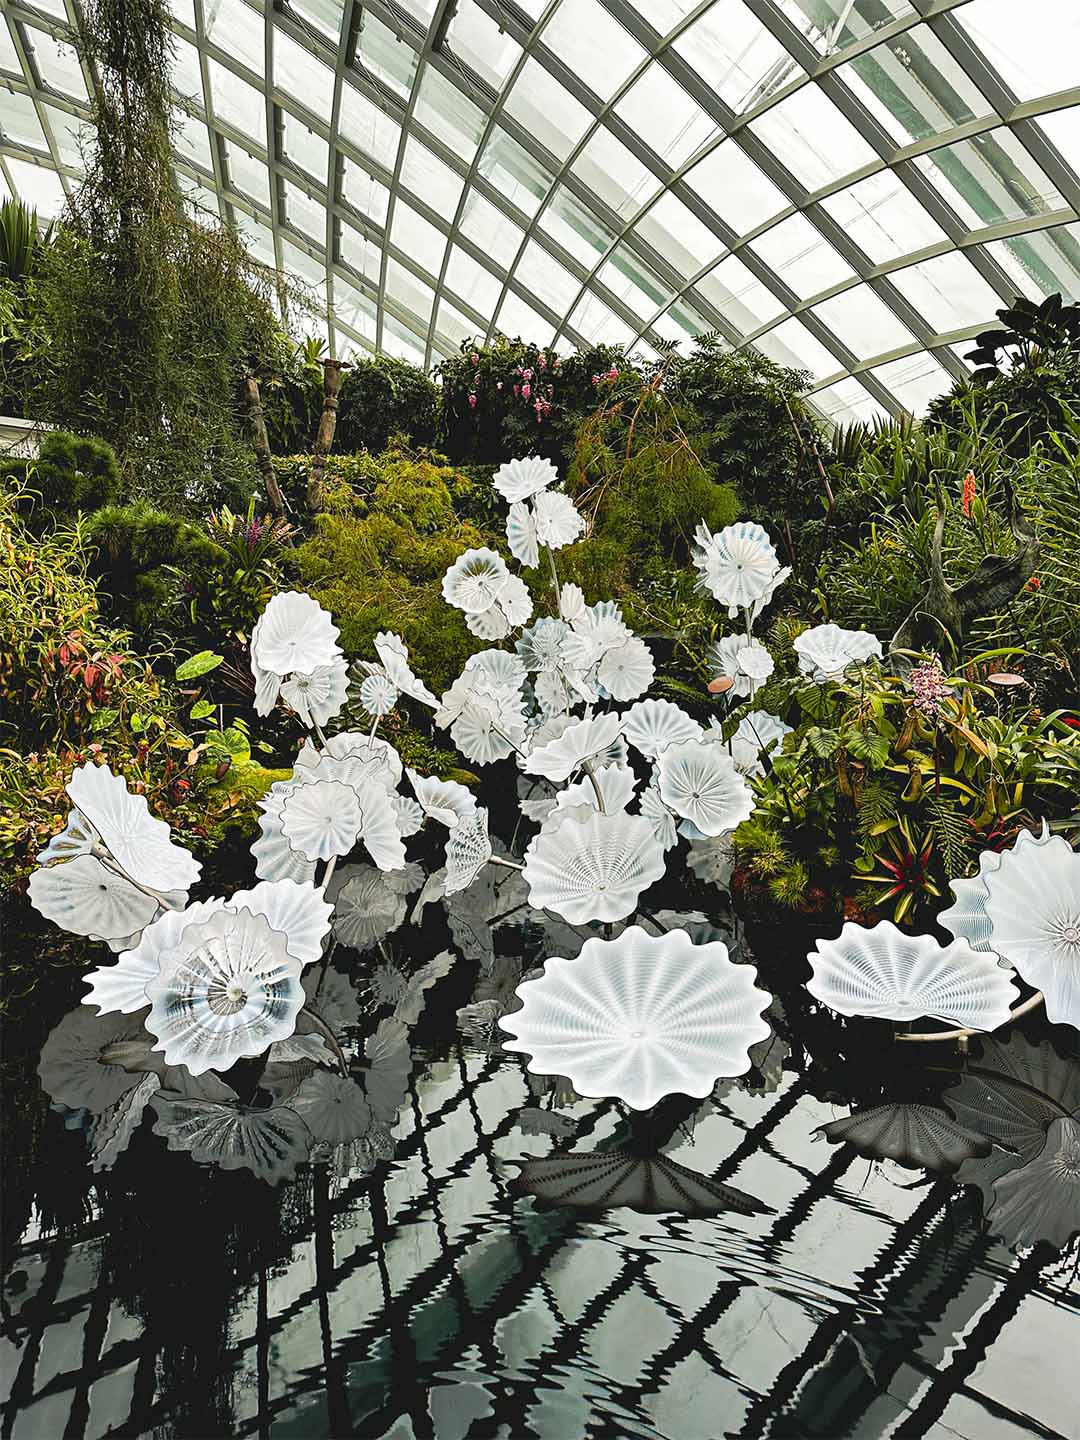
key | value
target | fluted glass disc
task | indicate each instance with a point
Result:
(886, 973)
(593, 869)
(641, 1017)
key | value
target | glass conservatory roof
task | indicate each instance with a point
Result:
(852, 186)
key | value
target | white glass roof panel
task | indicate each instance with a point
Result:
(838, 179)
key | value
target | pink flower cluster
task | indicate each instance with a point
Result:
(930, 687)
(606, 377)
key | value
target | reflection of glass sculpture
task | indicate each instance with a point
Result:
(883, 972)
(916, 1136)
(270, 1143)
(1041, 1199)
(640, 1017)
(649, 1184)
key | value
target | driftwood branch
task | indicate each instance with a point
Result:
(261, 444)
(324, 439)
(995, 581)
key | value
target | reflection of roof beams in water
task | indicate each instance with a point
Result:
(927, 1280)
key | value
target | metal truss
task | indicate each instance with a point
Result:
(852, 186)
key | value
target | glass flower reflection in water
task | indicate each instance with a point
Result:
(641, 1017)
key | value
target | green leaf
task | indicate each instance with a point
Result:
(201, 709)
(871, 748)
(197, 665)
(102, 719)
(264, 748)
(136, 723)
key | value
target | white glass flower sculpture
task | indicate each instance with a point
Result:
(275, 859)
(521, 535)
(475, 581)
(745, 662)
(758, 734)
(593, 869)
(641, 1017)
(1033, 906)
(295, 633)
(884, 973)
(627, 670)
(298, 912)
(490, 726)
(137, 840)
(755, 611)
(557, 759)
(378, 694)
(519, 479)
(737, 565)
(571, 602)
(699, 781)
(84, 898)
(443, 800)
(713, 860)
(78, 837)
(322, 819)
(967, 919)
(616, 784)
(393, 656)
(468, 849)
(511, 607)
(317, 697)
(659, 817)
(372, 759)
(826, 651)
(500, 667)
(229, 988)
(652, 725)
(558, 520)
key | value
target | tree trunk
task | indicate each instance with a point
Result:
(261, 444)
(316, 493)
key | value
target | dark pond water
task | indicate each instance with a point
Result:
(703, 1270)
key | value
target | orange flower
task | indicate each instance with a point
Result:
(1034, 583)
(968, 493)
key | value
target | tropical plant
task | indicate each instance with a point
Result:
(21, 239)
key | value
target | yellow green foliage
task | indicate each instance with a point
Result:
(376, 561)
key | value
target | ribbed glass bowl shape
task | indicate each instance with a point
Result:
(641, 1017)
(884, 973)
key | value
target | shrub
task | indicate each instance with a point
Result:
(70, 473)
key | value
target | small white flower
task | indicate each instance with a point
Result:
(558, 521)
(518, 479)
(378, 694)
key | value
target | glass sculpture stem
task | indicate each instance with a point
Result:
(554, 578)
(509, 864)
(319, 735)
(1030, 1004)
(110, 864)
(374, 727)
(596, 787)
(329, 1036)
